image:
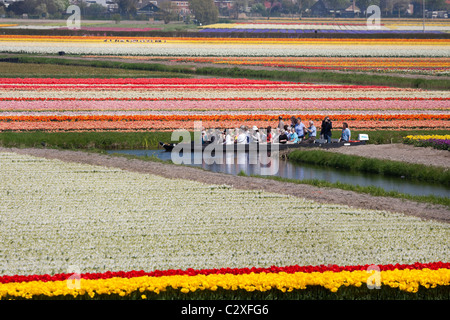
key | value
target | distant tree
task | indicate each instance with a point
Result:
(55, 6)
(336, 5)
(400, 6)
(127, 8)
(258, 8)
(95, 11)
(205, 11)
(275, 6)
(364, 4)
(22, 7)
(38, 7)
(436, 5)
(387, 7)
(238, 6)
(303, 5)
(41, 10)
(168, 12)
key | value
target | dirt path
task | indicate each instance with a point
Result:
(322, 195)
(400, 152)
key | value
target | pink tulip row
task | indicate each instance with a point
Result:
(387, 106)
(189, 125)
(170, 81)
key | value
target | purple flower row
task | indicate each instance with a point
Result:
(443, 144)
(115, 29)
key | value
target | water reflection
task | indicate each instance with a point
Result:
(262, 164)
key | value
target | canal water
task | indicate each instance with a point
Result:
(250, 164)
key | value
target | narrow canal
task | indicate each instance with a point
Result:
(254, 165)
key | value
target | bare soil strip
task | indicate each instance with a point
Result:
(321, 195)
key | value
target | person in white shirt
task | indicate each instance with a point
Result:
(242, 137)
(256, 137)
(228, 137)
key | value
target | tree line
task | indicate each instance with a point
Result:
(206, 11)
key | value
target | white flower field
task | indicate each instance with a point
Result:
(57, 214)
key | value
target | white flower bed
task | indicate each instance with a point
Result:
(55, 214)
(227, 49)
(226, 94)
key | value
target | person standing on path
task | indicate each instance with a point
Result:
(325, 131)
(280, 123)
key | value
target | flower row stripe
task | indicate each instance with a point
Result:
(234, 271)
(426, 137)
(405, 280)
(224, 39)
(261, 117)
(185, 87)
(228, 99)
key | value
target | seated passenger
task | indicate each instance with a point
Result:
(293, 137)
(283, 138)
(242, 137)
(345, 135)
(312, 132)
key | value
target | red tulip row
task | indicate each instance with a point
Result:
(224, 117)
(228, 99)
(234, 271)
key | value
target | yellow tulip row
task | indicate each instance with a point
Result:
(196, 40)
(405, 280)
(426, 137)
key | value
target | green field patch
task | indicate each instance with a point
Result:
(10, 69)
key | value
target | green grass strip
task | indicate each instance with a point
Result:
(83, 140)
(371, 190)
(399, 169)
(100, 64)
(148, 140)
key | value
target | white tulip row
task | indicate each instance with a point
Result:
(225, 94)
(227, 49)
(55, 214)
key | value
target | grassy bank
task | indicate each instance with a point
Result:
(416, 172)
(388, 136)
(84, 140)
(18, 70)
(146, 140)
(100, 141)
(73, 61)
(370, 190)
(300, 76)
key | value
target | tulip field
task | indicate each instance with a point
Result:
(79, 231)
(171, 103)
(128, 240)
(225, 46)
(417, 65)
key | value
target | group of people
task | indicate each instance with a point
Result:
(295, 132)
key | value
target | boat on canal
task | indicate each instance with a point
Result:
(319, 143)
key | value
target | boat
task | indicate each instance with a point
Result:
(319, 143)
